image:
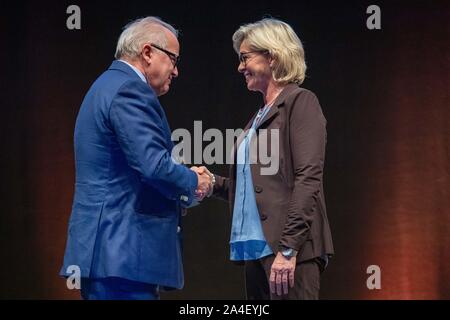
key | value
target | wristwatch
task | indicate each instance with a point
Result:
(213, 182)
(288, 252)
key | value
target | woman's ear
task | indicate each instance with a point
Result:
(271, 61)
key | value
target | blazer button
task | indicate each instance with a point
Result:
(178, 229)
(258, 189)
(263, 217)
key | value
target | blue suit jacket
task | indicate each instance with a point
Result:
(128, 191)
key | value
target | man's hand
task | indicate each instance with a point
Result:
(282, 272)
(205, 186)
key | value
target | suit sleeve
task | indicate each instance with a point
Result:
(307, 143)
(138, 121)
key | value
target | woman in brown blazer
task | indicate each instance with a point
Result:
(280, 228)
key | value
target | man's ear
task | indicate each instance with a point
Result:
(147, 53)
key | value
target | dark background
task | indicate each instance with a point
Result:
(385, 94)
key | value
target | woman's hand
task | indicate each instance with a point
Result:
(282, 273)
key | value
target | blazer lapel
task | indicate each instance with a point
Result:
(278, 103)
(271, 114)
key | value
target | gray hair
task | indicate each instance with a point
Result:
(139, 32)
(280, 40)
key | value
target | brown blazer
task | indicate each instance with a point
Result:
(291, 203)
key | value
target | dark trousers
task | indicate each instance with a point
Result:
(117, 289)
(306, 280)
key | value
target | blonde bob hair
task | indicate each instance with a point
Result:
(283, 45)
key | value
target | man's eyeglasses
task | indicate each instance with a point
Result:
(173, 57)
(244, 56)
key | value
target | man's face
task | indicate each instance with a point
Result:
(161, 70)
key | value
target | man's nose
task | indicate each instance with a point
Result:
(175, 72)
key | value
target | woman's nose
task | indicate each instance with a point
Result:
(241, 67)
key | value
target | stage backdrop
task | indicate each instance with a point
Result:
(385, 94)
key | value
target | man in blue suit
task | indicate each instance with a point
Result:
(124, 232)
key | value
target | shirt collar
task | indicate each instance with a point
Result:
(138, 72)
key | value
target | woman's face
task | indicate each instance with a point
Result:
(255, 65)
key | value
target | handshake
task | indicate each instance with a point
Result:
(206, 182)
